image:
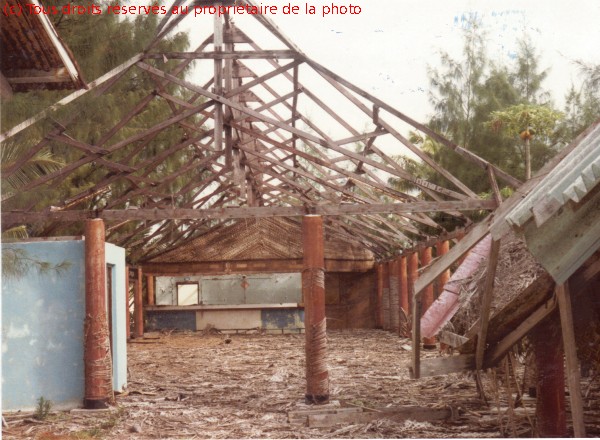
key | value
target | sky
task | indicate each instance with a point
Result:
(388, 48)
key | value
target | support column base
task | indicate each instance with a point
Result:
(95, 403)
(315, 399)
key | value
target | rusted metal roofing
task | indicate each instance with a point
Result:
(258, 239)
(33, 55)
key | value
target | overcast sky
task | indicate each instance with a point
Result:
(388, 47)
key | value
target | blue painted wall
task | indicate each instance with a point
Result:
(42, 327)
(42, 330)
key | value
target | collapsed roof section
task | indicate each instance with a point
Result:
(267, 132)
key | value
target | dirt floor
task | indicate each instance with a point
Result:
(190, 385)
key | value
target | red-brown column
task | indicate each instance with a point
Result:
(403, 282)
(442, 248)
(97, 359)
(127, 316)
(394, 296)
(138, 306)
(386, 296)
(313, 291)
(550, 406)
(150, 287)
(379, 308)
(427, 295)
(412, 264)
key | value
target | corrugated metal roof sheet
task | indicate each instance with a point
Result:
(571, 180)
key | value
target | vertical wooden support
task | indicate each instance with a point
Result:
(138, 306)
(413, 274)
(97, 358)
(379, 308)
(150, 290)
(218, 86)
(427, 296)
(394, 296)
(570, 346)
(442, 248)
(404, 310)
(313, 291)
(550, 406)
(228, 80)
(386, 296)
(127, 315)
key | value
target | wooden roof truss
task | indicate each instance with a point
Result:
(254, 149)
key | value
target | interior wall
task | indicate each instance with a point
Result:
(277, 288)
(42, 326)
(350, 299)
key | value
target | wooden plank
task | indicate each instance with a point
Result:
(496, 353)
(223, 55)
(238, 212)
(416, 413)
(570, 347)
(442, 366)
(486, 302)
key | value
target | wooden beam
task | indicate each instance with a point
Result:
(486, 302)
(241, 212)
(223, 55)
(570, 346)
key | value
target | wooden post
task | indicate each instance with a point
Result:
(550, 406)
(127, 315)
(379, 309)
(138, 306)
(150, 289)
(415, 304)
(313, 291)
(442, 249)
(403, 282)
(427, 297)
(218, 82)
(394, 296)
(386, 296)
(97, 358)
(570, 346)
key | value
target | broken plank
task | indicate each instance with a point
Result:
(452, 339)
(416, 413)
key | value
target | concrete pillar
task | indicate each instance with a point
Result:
(394, 296)
(127, 316)
(403, 283)
(550, 406)
(412, 269)
(379, 307)
(138, 306)
(442, 248)
(427, 296)
(386, 296)
(97, 358)
(150, 289)
(313, 292)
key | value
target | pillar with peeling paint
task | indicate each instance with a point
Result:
(379, 308)
(427, 295)
(403, 285)
(127, 316)
(150, 289)
(442, 248)
(138, 306)
(313, 292)
(412, 269)
(386, 296)
(550, 406)
(394, 296)
(97, 357)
